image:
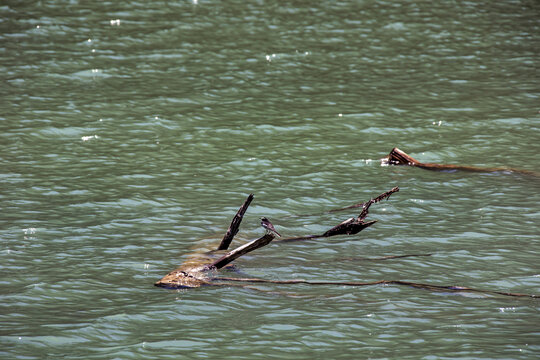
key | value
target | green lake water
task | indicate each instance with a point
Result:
(131, 132)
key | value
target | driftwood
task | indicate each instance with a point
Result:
(239, 251)
(352, 225)
(194, 275)
(387, 257)
(235, 224)
(432, 287)
(399, 157)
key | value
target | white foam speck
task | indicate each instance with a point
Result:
(86, 138)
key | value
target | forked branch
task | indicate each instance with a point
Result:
(352, 225)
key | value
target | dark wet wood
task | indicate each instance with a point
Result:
(349, 227)
(352, 225)
(235, 224)
(387, 257)
(239, 251)
(399, 157)
(365, 207)
(432, 287)
(194, 274)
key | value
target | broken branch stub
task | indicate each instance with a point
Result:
(399, 157)
(235, 225)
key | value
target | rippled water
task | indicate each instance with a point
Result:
(132, 132)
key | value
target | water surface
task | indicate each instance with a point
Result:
(131, 133)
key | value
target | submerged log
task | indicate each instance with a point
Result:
(190, 276)
(196, 273)
(201, 273)
(399, 157)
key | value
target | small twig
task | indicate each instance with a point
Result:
(377, 199)
(365, 207)
(388, 257)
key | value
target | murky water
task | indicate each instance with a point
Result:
(132, 132)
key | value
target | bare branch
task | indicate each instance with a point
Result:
(432, 287)
(235, 225)
(239, 251)
(399, 157)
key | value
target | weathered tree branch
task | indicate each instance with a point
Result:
(235, 225)
(349, 227)
(387, 257)
(399, 157)
(432, 287)
(365, 207)
(190, 275)
(352, 225)
(239, 251)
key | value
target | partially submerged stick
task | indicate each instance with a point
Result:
(451, 288)
(385, 195)
(399, 157)
(387, 257)
(352, 225)
(235, 224)
(190, 275)
(239, 251)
